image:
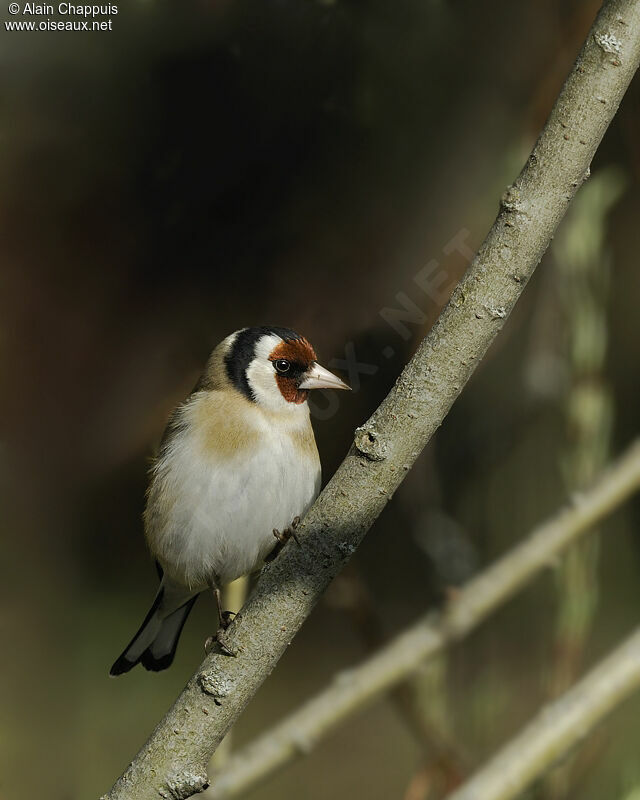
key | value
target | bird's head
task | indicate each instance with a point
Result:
(274, 367)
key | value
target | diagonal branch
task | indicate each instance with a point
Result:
(558, 728)
(174, 760)
(350, 691)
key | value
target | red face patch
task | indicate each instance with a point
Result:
(289, 390)
(300, 354)
(298, 351)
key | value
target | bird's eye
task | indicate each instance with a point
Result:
(282, 365)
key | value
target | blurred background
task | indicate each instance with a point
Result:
(210, 165)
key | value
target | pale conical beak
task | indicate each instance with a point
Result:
(317, 377)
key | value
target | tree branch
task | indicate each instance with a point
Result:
(558, 727)
(352, 690)
(174, 760)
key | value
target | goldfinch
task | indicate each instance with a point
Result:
(238, 463)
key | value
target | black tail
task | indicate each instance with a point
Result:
(154, 645)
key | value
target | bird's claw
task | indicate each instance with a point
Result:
(226, 618)
(283, 537)
(288, 533)
(219, 639)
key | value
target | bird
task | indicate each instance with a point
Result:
(236, 468)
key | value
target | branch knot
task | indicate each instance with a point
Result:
(368, 443)
(511, 201)
(608, 42)
(182, 785)
(213, 684)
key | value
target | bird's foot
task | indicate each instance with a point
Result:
(219, 639)
(283, 537)
(226, 618)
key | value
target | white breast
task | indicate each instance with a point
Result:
(211, 514)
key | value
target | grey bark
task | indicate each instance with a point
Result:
(173, 762)
(350, 691)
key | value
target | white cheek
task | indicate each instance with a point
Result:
(262, 381)
(262, 376)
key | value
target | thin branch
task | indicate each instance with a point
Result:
(558, 728)
(582, 263)
(173, 762)
(418, 700)
(352, 690)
